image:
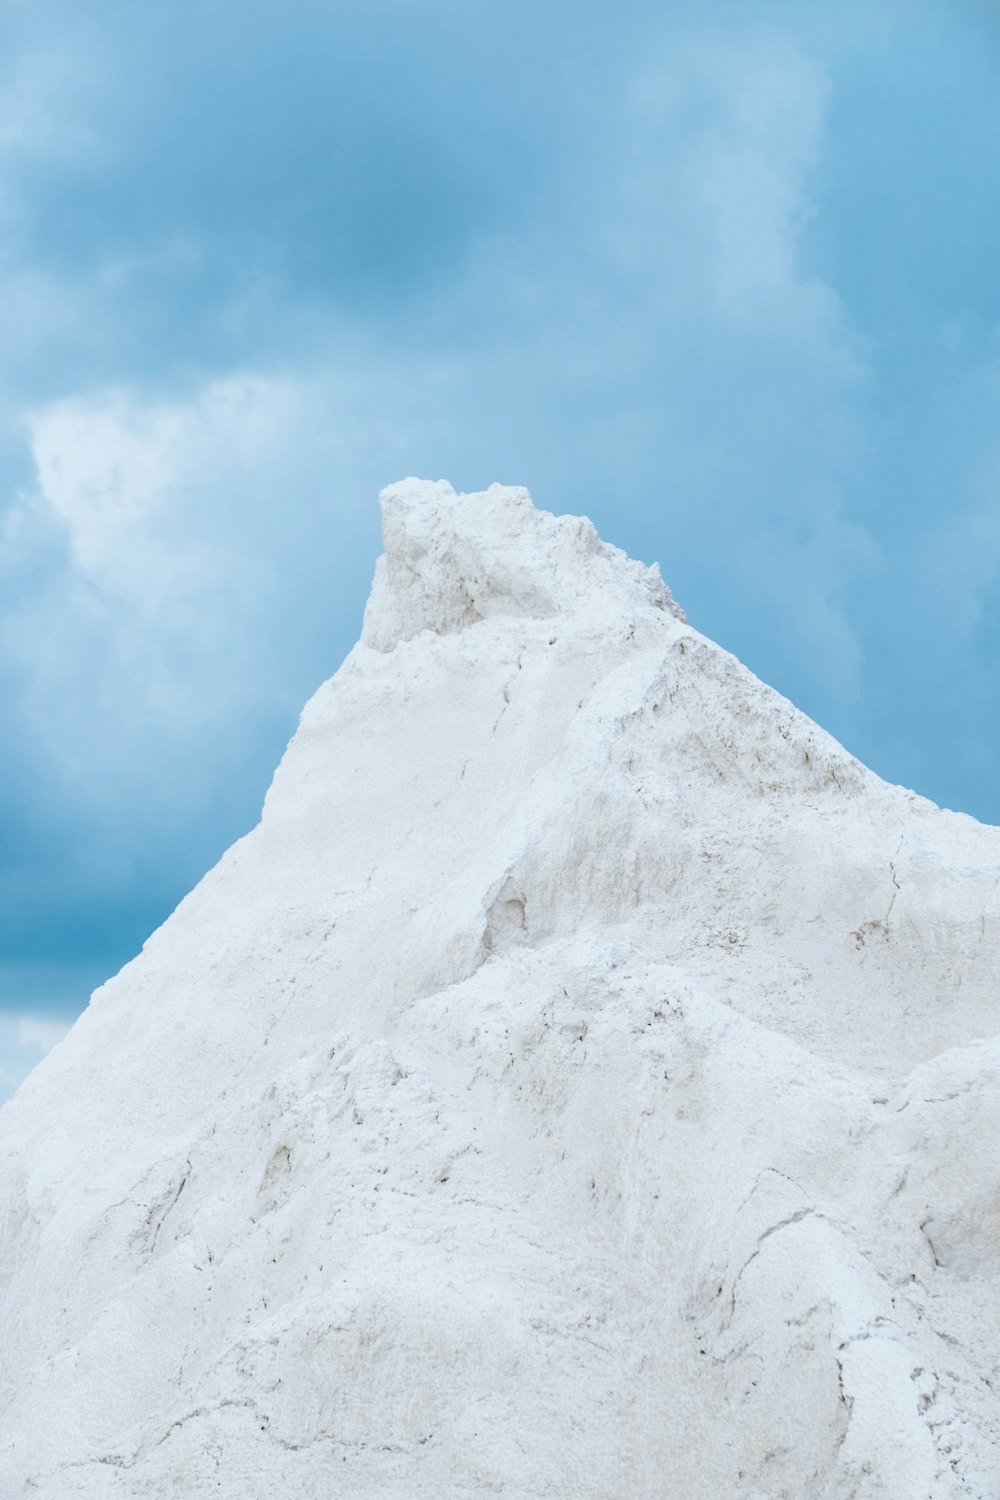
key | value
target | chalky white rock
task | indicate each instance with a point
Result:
(584, 1082)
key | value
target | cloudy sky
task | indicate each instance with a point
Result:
(722, 276)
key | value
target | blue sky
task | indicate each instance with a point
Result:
(722, 276)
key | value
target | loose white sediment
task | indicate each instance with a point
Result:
(584, 1082)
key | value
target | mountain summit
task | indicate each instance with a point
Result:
(583, 1082)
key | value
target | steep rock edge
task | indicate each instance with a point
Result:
(581, 1082)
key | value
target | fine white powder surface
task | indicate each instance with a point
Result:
(584, 1082)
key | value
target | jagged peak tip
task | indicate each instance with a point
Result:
(452, 559)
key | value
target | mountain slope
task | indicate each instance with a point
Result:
(583, 1082)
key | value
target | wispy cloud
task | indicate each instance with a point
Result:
(24, 1040)
(149, 521)
(40, 1035)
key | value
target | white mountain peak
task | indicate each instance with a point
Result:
(451, 560)
(584, 1081)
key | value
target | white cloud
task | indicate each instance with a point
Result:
(37, 113)
(171, 547)
(24, 1040)
(763, 378)
(150, 626)
(38, 1034)
(45, 95)
(126, 478)
(754, 169)
(724, 142)
(104, 469)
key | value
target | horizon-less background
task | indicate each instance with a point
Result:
(722, 276)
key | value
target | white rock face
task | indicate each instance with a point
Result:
(584, 1082)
